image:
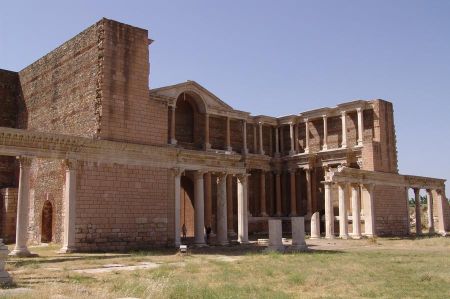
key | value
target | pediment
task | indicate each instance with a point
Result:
(212, 103)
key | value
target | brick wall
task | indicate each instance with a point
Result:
(9, 98)
(8, 212)
(391, 210)
(123, 207)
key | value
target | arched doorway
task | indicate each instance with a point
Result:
(187, 206)
(47, 222)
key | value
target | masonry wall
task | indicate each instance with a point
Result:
(381, 153)
(391, 211)
(59, 90)
(8, 212)
(47, 177)
(123, 207)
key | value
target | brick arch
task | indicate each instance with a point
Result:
(47, 220)
(190, 120)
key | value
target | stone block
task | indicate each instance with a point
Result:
(298, 233)
(275, 236)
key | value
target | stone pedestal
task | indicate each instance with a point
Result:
(298, 234)
(315, 226)
(5, 278)
(275, 236)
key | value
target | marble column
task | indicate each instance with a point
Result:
(441, 201)
(262, 191)
(293, 193)
(343, 217)
(199, 201)
(23, 205)
(325, 133)
(277, 142)
(279, 211)
(207, 143)
(418, 214)
(261, 140)
(291, 137)
(369, 212)
(281, 128)
(173, 140)
(360, 126)
(70, 196)
(408, 219)
(329, 214)
(430, 212)
(242, 185)
(228, 135)
(231, 231)
(308, 191)
(344, 129)
(177, 182)
(244, 137)
(315, 226)
(222, 228)
(296, 138)
(255, 143)
(356, 211)
(208, 200)
(306, 135)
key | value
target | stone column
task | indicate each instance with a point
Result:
(430, 212)
(173, 140)
(230, 205)
(262, 185)
(222, 229)
(244, 137)
(177, 182)
(325, 133)
(207, 143)
(308, 192)
(23, 205)
(360, 126)
(344, 129)
(306, 135)
(261, 143)
(275, 235)
(208, 201)
(408, 228)
(296, 138)
(418, 214)
(228, 135)
(369, 212)
(343, 217)
(277, 143)
(315, 226)
(279, 211)
(281, 128)
(329, 215)
(356, 212)
(199, 201)
(255, 143)
(298, 233)
(70, 196)
(5, 278)
(291, 137)
(242, 185)
(441, 201)
(293, 193)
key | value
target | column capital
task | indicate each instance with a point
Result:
(221, 175)
(25, 161)
(343, 113)
(70, 164)
(359, 109)
(292, 170)
(369, 186)
(177, 171)
(416, 190)
(324, 116)
(306, 119)
(199, 173)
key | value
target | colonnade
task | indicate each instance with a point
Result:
(258, 144)
(430, 210)
(224, 200)
(343, 217)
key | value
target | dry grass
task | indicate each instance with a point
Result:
(389, 268)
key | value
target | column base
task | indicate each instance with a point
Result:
(306, 151)
(344, 237)
(277, 155)
(223, 243)
(262, 153)
(21, 252)
(360, 143)
(443, 233)
(343, 145)
(314, 237)
(324, 147)
(330, 237)
(243, 242)
(263, 214)
(274, 248)
(293, 215)
(291, 153)
(173, 141)
(69, 249)
(207, 146)
(356, 237)
(229, 149)
(231, 233)
(200, 245)
(297, 248)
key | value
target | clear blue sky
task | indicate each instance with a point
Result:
(278, 57)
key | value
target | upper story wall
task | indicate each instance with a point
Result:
(9, 98)
(95, 85)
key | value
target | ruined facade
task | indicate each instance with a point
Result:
(91, 158)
